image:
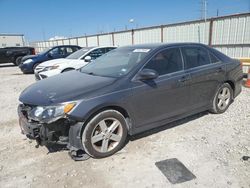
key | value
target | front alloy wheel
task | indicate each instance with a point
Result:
(105, 134)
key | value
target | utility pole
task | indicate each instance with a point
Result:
(43, 32)
(203, 17)
(204, 10)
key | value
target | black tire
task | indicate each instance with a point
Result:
(68, 69)
(216, 107)
(18, 60)
(89, 132)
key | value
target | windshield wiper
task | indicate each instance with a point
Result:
(90, 73)
(94, 74)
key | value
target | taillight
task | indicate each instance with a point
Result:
(33, 52)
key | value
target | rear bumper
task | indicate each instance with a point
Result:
(238, 88)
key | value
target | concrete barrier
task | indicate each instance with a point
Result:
(245, 63)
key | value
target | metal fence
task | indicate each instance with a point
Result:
(229, 34)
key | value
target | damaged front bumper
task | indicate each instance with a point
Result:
(63, 131)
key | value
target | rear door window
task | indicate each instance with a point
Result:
(195, 57)
(68, 50)
(213, 58)
(75, 48)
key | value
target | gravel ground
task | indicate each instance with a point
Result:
(210, 146)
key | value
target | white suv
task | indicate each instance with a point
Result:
(74, 61)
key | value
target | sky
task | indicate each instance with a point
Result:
(42, 19)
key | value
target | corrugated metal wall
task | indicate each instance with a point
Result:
(105, 40)
(123, 38)
(190, 32)
(82, 41)
(66, 41)
(235, 51)
(147, 36)
(229, 34)
(73, 41)
(232, 36)
(92, 41)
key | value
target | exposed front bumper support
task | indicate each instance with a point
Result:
(60, 132)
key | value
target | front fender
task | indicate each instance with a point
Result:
(88, 107)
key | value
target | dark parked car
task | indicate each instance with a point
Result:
(127, 91)
(29, 63)
(15, 54)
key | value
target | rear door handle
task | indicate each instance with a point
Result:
(184, 79)
(219, 69)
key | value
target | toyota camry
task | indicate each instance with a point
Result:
(127, 91)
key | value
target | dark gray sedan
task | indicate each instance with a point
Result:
(126, 91)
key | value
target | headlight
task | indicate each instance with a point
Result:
(48, 114)
(28, 61)
(51, 68)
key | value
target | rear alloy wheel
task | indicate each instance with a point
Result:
(105, 134)
(222, 99)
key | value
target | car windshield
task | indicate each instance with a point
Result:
(78, 54)
(116, 63)
(45, 51)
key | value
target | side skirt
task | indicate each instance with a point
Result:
(137, 130)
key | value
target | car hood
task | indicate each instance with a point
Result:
(29, 57)
(53, 62)
(66, 87)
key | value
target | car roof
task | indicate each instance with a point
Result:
(160, 45)
(65, 46)
(95, 47)
(92, 47)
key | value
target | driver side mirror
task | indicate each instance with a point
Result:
(147, 74)
(87, 59)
